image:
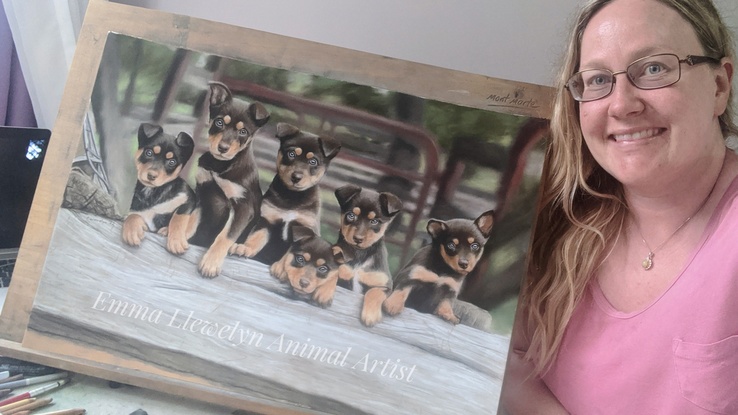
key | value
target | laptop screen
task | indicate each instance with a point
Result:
(22, 151)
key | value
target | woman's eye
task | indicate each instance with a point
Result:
(653, 69)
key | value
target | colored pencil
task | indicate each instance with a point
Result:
(33, 393)
(76, 411)
(16, 404)
(10, 379)
(4, 374)
(4, 392)
(29, 406)
(35, 380)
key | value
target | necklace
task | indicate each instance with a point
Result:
(647, 263)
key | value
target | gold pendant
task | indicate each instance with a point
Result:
(648, 262)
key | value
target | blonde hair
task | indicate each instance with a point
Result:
(582, 207)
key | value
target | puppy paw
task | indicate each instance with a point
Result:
(277, 271)
(163, 231)
(345, 272)
(394, 304)
(210, 265)
(134, 230)
(241, 250)
(370, 318)
(445, 311)
(323, 295)
(177, 245)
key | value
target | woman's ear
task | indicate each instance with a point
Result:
(723, 79)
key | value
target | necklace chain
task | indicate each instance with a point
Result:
(647, 263)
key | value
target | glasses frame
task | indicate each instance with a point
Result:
(691, 60)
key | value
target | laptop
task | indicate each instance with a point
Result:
(22, 152)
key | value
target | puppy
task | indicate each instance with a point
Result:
(365, 217)
(293, 196)
(227, 178)
(162, 201)
(432, 279)
(310, 266)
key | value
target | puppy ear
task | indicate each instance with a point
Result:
(301, 233)
(344, 194)
(259, 113)
(340, 256)
(219, 94)
(285, 130)
(390, 203)
(435, 227)
(146, 132)
(187, 144)
(329, 146)
(485, 221)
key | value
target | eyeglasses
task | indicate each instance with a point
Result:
(650, 72)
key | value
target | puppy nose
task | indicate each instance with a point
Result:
(152, 175)
(358, 239)
(223, 148)
(296, 177)
(463, 263)
(304, 282)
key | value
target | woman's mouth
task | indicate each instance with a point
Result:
(640, 135)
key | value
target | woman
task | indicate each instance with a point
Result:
(631, 303)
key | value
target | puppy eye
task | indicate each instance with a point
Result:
(374, 221)
(350, 217)
(243, 131)
(219, 123)
(291, 154)
(475, 246)
(149, 152)
(300, 259)
(171, 162)
(313, 162)
(323, 269)
(451, 246)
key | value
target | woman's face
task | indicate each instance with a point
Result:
(649, 137)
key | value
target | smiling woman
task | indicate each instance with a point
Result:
(632, 245)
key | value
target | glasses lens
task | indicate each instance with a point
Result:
(655, 71)
(591, 84)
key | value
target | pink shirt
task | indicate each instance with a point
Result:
(679, 355)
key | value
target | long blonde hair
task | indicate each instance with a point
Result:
(582, 207)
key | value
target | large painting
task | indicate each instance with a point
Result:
(294, 227)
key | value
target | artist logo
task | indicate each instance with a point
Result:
(515, 99)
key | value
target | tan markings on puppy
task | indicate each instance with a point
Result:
(421, 273)
(472, 259)
(193, 222)
(277, 270)
(373, 278)
(310, 155)
(470, 240)
(134, 229)
(211, 262)
(253, 244)
(177, 234)
(356, 211)
(306, 255)
(227, 119)
(203, 175)
(371, 215)
(446, 312)
(371, 312)
(298, 151)
(169, 155)
(320, 261)
(454, 263)
(323, 294)
(455, 241)
(452, 283)
(240, 125)
(345, 272)
(371, 237)
(230, 189)
(157, 149)
(395, 303)
(271, 213)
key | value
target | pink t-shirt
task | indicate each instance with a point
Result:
(677, 356)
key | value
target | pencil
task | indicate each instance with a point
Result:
(35, 380)
(33, 393)
(76, 411)
(4, 392)
(29, 406)
(10, 379)
(4, 374)
(16, 404)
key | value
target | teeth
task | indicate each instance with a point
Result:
(636, 136)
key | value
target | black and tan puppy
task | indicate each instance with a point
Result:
(310, 266)
(433, 277)
(365, 216)
(227, 179)
(293, 198)
(162, 201)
